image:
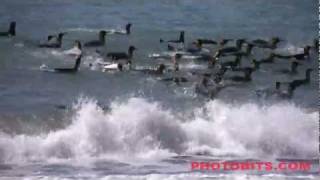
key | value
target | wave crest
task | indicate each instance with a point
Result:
(141, 129)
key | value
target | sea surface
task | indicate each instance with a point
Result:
(129, 125)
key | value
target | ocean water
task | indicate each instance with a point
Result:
(129, 125)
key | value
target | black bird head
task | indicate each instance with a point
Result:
(132, 48)
(50, 37)
(178, 55)
(275, 40)
(60, 35)
(161, 68)
(102, 33)
(128, 28)
(170, 48)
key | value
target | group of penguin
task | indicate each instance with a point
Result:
(214, 79)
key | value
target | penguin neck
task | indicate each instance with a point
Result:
(12, 30)
(77, 64)
(130, 53)
(128, 31)
(181, 37)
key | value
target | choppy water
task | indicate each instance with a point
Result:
(96, 125)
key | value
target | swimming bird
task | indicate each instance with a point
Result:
(298, 56)
(221, 42)
(293, 70)
(126, 31)
(299, 82)
(96, 43)
(207, 41)
(178, 41)
(232, 49)
(70, 70)
(128, 28)
(11, 31)
(53, 43)
(122, 55)
(272, 44)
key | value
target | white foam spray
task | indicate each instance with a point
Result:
(138, 129)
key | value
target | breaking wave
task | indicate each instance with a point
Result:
(140, 129)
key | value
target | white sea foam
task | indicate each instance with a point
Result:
(138, 129)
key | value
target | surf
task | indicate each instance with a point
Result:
(140, 129)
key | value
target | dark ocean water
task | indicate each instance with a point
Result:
(100, 125)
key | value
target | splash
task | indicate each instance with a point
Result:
(141, 129)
